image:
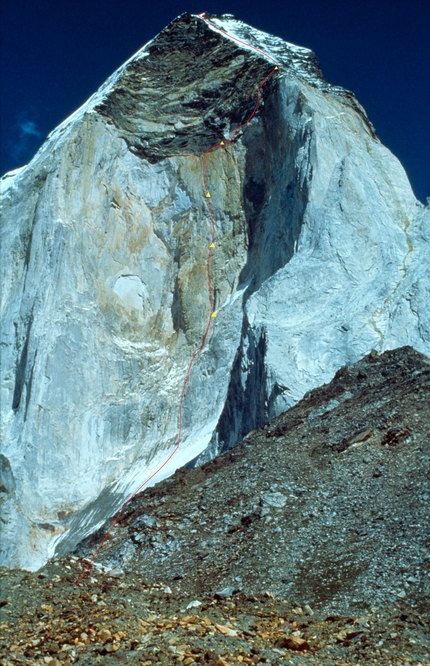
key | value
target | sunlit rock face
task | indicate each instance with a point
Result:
(322, 254)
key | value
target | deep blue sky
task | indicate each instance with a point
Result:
(55, 54)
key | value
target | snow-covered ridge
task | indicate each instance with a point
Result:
(297, 58)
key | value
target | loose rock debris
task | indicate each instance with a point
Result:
(323, 505)
(305, 544)
(48, 620)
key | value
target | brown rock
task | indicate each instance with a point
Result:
(292, 643)
(104, 634)
(227, 631)
(197, 628)
(188, 619)
(52, 648)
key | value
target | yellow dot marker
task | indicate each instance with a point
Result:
(208, 196)
(213, 314)
(212, 245)
(276, 67)
(222, 143)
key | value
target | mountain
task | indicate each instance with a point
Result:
(321, 255)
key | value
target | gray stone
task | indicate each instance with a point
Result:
(116, 573)
(274, 499)
(194, 604)
(226, 592)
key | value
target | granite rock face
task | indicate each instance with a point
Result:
(322, 253)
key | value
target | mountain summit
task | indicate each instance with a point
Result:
(321, 255)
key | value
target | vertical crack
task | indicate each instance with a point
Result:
(21, 368)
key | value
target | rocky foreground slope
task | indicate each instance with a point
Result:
(322, 253)
(327, 504)
(308, 543)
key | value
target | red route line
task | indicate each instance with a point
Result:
(211, 303)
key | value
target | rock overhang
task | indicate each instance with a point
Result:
(186, 88)
(183, 91)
